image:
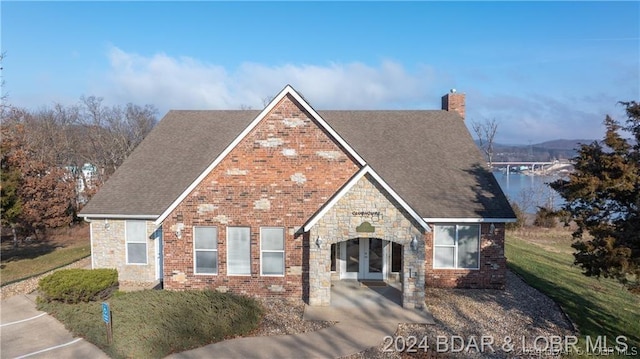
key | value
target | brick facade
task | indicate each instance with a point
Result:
(279, 175)
(493, 264)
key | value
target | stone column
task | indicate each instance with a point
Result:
(319, 271)
(413, 272)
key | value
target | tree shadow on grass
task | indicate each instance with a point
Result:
(26, 250)
(586, 313)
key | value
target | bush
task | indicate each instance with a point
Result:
(520, 217)
(78, 285)
(546, 218)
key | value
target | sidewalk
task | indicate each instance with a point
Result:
(344, 338)
(364, 315)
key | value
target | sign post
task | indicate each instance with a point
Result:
(106, 318)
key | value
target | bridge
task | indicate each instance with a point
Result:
(530, 164)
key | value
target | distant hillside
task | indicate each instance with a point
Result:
(546, 151)
(568, 145)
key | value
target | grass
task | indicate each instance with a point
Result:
(19, 269)
(598, 307)
(153, 324)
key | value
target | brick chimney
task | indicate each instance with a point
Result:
(454, 101)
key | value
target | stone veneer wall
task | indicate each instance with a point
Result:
(339, 224)
(108, 250)
(493, 264)
(279, 175)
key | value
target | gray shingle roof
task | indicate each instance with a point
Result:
(427, 157)
(169, 159)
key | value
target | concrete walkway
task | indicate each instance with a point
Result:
(26, 332)
(365, 315)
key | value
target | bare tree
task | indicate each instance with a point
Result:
(112, 132)
(486, 132)
(3, 93)
(54, 159)
(266, 100)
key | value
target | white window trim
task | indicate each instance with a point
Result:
(126, 245)
(337, 257)
(284, 264)
(195, 271)
(455, 247)
(227, 244)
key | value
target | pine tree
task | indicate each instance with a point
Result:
(603, 198)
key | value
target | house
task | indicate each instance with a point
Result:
(283, 201)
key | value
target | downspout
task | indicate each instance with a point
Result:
(90, 238)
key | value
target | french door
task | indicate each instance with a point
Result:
(363, 258)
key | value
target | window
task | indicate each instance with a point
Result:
(238, 251)
(136, 238)
(396, 257)
(272, 251)
(205, 243)
(457, 246)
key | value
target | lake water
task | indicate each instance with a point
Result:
(529, 191)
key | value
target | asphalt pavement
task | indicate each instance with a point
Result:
(26, 332)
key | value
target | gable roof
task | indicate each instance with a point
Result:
(352, 182)
(167, 161)
(428, 158)
(288, 90)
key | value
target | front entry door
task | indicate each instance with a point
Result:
(372, 252)
(363, 258)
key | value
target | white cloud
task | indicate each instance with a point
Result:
(167, 82)
(186, 83)
(537, 118)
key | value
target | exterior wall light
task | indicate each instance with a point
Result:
(318, 241)
(414, 243)
(492, 229)
(106, 224)
(179, 233)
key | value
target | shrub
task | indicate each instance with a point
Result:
(546, 218)
(520, 217)
(78, 285)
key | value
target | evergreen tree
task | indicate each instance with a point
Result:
(603, 198)
(10, 177)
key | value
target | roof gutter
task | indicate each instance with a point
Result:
(88, 217)
(469, 220)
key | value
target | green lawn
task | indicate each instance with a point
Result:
(597, 307)
(22, 268)
(155, 323)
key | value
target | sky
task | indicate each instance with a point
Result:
(542, 70)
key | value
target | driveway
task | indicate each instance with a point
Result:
(26, 332)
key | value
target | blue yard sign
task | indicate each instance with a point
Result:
(106, 312)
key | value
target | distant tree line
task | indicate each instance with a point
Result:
(44, 151)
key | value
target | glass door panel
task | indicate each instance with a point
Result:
(375, 255)
(353, 256)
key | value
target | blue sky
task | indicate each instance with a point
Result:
(543, 70)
